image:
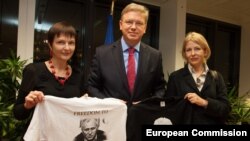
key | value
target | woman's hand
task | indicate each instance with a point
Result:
(196, 99)
(33, 98)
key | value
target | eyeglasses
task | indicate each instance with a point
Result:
(132, 22)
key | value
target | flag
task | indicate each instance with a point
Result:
(109, 33)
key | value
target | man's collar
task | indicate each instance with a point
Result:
(125, 45)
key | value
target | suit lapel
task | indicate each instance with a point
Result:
(208, 81)
(118, 58)
(142, 64)
(188, 78)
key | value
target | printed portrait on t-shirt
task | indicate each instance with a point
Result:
(90, 130)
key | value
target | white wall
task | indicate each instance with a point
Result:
(172, 32)
(26, 20)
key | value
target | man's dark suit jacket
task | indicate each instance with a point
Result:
(214, 91)
(108, 75)
(100, 136)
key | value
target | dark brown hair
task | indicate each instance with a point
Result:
(61, 28)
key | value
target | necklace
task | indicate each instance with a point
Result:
(61, 80)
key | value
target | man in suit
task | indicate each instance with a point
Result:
(111, 72)
(108, 76)
(90, 132)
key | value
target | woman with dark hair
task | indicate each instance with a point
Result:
(53, 77)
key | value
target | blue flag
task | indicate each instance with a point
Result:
(109, 34)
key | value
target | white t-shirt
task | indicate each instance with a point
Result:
(58, 119)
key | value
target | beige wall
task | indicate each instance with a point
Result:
(244, 84)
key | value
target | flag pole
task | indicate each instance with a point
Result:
(112, 7)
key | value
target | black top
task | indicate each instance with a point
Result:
(145, 113)
(36, 76)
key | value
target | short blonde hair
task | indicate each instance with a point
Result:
(198, 39)
(137, 8)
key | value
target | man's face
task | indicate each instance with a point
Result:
(89, 130)
(133, 26)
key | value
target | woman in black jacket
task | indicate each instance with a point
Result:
(203, 91)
